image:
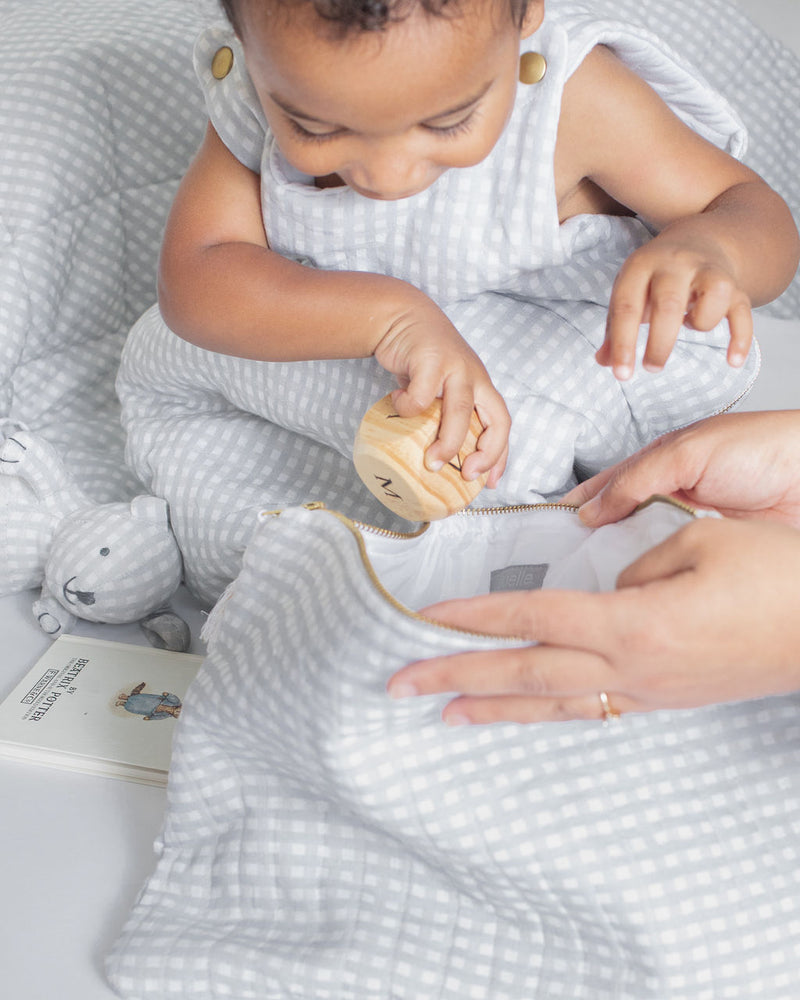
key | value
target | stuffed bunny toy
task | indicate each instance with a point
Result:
(112, 562)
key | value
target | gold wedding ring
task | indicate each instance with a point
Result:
(609, 715)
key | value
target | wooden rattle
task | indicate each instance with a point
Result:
(389, 456)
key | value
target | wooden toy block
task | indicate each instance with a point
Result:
(389, 456)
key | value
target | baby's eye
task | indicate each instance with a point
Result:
(457, 128)
(303, 133)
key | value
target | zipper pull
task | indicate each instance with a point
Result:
(313, 505)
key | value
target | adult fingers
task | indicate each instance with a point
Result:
(512, 708)
(662, 467)
(589, 488)
(676, 554)
(563, 617)
(539, 671)
(567, 619)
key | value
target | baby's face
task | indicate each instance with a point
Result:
(388, 112)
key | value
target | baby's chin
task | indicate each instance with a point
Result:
(336, 180)
(391, 195)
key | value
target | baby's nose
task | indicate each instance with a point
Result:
(392, 174)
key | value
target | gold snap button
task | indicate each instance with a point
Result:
(222, 63)
(532, 67)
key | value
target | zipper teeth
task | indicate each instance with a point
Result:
(467, 512)
(733, 402)
(372, 529)
(358, 528)
(671, 501)
(519, 508)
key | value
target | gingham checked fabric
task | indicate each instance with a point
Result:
(323, 842)
(755, 72)
(99, 116)
(100, 112)
(483, 242)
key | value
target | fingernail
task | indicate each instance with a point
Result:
(736, 360)
(588, 512)
(622, 372)
(453, 719)
(433, 464)
(403, 689)
(649, 366)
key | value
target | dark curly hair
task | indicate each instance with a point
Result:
(367, 15)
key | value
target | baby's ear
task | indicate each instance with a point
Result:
(534, 15)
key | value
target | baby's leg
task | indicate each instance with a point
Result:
(569, 415)
(217, 464)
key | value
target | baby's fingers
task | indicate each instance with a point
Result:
(457, 408)
(715, 298)
(492, 450)
(668, 302)
(625, 315)
(740, 322)
(416, 393)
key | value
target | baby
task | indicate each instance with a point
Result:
(484, 198)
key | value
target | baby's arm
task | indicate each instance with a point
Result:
(725, 240)
(222, 288)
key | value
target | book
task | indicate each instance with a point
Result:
(99, 707)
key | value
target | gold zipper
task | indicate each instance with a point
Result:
(519, 508)
(356, 528)
(467, 512)
(670, 501)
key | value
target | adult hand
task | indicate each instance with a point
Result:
(743, 465)
(708, 616)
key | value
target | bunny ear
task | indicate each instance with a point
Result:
(153, 509)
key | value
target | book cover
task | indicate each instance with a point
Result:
(99, 707)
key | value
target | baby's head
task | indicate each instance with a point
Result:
(384, 96)
(344, 16)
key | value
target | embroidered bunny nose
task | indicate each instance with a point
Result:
(81, 596)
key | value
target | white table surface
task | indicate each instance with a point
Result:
(76, 848)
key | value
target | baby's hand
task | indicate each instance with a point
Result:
(431, 359)
(667, 283)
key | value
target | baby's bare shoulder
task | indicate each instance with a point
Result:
(597, 98)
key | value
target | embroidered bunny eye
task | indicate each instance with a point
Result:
(104, 551)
